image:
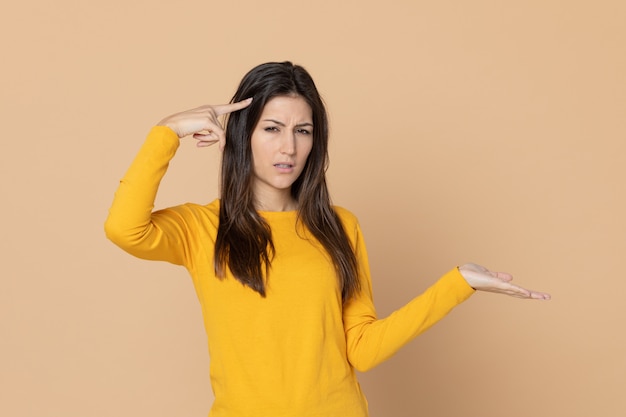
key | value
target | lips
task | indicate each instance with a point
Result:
(283, 165)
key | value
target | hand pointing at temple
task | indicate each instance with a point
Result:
(203, 122)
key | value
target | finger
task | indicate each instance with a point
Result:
(528, 294)
(535, 295)
(205, 136)
(212, 126)
(222, 109)
(210, 129)
(515, 291)
(205, 143)
(205, 139)
(520, 292)
(525, 293)
(504, 276)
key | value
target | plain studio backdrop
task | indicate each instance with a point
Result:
(481, 131)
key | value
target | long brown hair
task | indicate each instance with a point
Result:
(244, 239)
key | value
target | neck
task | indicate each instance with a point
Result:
(276, 202)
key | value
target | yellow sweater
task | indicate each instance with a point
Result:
(293, 353)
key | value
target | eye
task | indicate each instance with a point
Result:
(304, 131)
(271, 129)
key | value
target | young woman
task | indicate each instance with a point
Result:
(282, 276)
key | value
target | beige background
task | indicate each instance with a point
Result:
(486, 131)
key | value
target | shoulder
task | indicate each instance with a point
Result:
(197, 212)
(212, 209)
(349, 220)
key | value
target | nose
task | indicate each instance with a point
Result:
(288, 144)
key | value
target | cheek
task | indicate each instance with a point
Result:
(259, 151)
(306, 149)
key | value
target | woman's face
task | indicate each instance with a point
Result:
(281, 142)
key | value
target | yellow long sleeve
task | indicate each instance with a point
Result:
(294, 352)
(131, 223)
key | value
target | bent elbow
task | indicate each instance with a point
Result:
(116, 233)
(362, 364)
(363, 367)
(112, 231)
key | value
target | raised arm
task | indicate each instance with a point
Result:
(132, 224)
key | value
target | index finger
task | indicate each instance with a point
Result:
(231, 107)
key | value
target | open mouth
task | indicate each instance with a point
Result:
(283, 165)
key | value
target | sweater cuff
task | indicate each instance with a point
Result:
(457, 285)
(164, 134)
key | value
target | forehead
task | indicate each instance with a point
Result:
(289, 108)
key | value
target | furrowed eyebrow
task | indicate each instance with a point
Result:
(282, 124)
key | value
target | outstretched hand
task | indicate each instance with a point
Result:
(482, 279)
(203, 122)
